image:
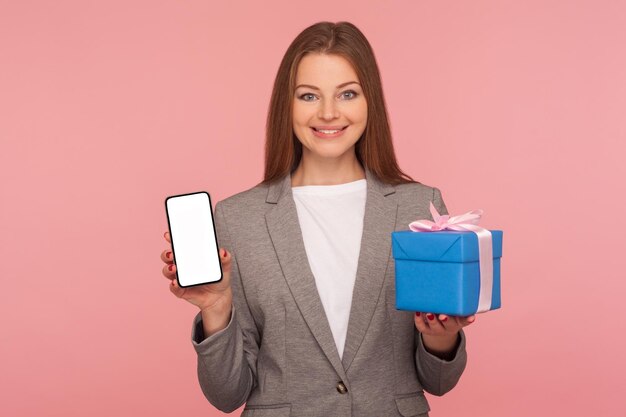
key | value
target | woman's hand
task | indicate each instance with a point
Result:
(204, 296)
(440, 333)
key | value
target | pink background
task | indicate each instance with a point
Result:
(106, 108)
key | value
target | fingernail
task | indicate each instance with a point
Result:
(444, 319)
(168, 255)
(417, 313)
(430, 316)
(171, 267)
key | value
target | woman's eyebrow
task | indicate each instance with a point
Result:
(316, 88)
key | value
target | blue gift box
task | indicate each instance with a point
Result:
(438, 272)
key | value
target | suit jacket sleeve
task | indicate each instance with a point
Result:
(437, 375)
(227, 359)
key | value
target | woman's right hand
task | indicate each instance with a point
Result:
(207, 296)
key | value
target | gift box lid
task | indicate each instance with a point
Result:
(441, 246)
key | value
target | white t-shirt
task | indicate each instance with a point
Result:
(331, 220)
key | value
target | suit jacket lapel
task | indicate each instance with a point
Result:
(286, 235)
(380, 219)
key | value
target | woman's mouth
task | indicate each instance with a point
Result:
(328, 133)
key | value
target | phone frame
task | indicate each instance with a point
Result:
(169, 228)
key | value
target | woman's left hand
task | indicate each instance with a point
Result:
(440, 333)
(442, 324)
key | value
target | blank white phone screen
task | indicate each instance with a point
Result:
(193, 239)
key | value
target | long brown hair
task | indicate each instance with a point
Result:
(374, 149)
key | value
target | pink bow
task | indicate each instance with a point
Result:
(457, 223)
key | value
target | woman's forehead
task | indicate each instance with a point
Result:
(323, 70)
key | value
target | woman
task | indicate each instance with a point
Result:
(304, 321)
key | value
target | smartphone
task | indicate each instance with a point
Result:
(194, 241)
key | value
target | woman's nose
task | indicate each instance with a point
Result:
(328, 110)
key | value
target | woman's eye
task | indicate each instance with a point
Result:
(304, 95)
(354, 94)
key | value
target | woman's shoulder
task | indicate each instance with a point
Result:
(414, 201)
(417, 190)
(245, 202)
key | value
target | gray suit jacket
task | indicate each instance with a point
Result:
(278, 353)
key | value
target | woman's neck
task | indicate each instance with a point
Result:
(328, 175)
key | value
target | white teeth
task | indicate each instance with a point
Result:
(328, 132)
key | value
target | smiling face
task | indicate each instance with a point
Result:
(328, 96)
